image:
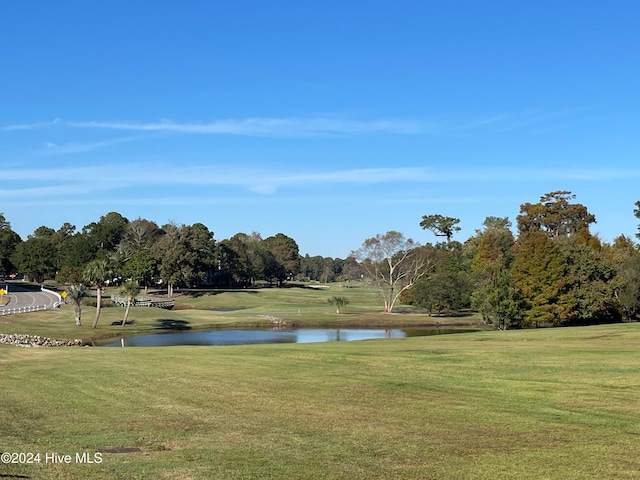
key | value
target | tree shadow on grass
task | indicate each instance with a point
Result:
(119, 322)
(199, 292)
(196, 293)
(170, 324)
(435, 313)
(210, 292)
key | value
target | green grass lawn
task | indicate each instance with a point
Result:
(550, 403)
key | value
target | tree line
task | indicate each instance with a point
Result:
(171, 254)
(550, 271)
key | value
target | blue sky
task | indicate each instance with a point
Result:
(327, 121)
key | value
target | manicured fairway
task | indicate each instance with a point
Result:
(553, 403)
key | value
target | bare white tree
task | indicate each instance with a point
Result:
(394, 263)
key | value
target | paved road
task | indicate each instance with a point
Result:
(20, 297)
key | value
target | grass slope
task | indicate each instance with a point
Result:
(552, 403)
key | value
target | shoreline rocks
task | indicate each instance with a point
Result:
(20, 340)
(278, 322)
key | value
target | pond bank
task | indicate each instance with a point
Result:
(37, 341)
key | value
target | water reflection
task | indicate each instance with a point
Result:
(257, 336)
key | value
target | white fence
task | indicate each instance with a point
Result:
(142, 301)
(32, 308)
(56, 294)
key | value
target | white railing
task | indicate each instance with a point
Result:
(32, 308)
(53, 293)
(142, 301)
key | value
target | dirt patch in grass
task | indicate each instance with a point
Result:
(121, 450)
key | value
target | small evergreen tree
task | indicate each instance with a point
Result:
(129, 289)
(96, 273)
(339, 302)
(76, 293)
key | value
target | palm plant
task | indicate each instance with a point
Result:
(339, 302)
(76, 293)
(96, 273)
(129, 289)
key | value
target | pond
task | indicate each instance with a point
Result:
(261, 336)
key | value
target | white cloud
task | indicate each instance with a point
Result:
(267, 127)
(333, 125)
(55, 149)
(326, 125)
(29, 126)
(73, 181)
(80, 180)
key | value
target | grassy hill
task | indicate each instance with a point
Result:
(550, 403)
